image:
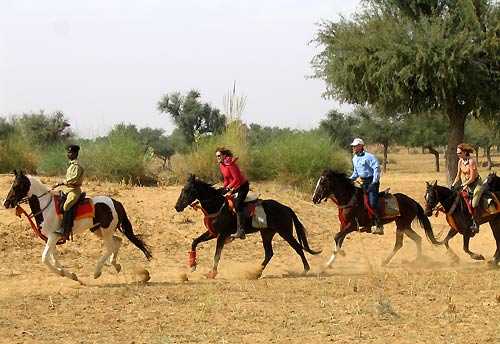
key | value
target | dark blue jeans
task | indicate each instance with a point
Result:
(372, 190)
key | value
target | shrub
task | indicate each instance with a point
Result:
(17, 153)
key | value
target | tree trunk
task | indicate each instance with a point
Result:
(488, 157)
(455, 136)
(386, 147)
(436, 155)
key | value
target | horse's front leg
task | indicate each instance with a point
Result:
(473, 255)
(48, 258)
(451, 233)
(109, 248)
(339, 239)
(192, 254)
(221, 239)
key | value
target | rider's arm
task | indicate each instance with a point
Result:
(457, 177)
(374, 164)
(355, 174)
(74, 176)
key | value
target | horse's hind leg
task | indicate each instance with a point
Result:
(290, 239)
(221, 239)
(410, 233)
(495, 228)
(397, 245)
(109, 248)
(117, 243)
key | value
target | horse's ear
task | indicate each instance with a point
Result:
(15, 172)
(427, 183)
(191, 178)
(21, 172)
(435, 183)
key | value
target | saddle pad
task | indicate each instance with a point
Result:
(85, 209)
(390, 206)
(259, 217)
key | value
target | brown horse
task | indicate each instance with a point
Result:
(354, 215)
(459, 218)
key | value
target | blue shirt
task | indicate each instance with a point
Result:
(365, 166)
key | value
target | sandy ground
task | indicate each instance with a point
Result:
(357, 300)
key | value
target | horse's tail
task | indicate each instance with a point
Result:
(125, 227)
(301, 234)
(426, 225)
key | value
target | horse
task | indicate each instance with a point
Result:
(108, 215)
(355, 215)
(222, 223)
(459, 218)
(492, 182)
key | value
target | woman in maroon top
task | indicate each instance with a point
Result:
(235, 182)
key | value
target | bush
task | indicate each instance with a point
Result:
(120, 158)
(297, 158)
(17, 153)
(53, 161)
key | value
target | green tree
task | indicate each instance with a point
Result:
(259, 135)
(484, 134)
(416, 56)
(377, 128)
(191, 116)
(44, 130)
(6, 128)
(427, 131)
(340, 128)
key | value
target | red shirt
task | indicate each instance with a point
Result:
(233, 178)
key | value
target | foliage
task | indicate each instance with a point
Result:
(43, 130)
(194, 118)
(340, 127)
(410, 57)
(17, 153)
(259, 135)
(425, 130)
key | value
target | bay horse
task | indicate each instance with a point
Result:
(459, 218)
(354, 215)
(280, 219)
(108, 215)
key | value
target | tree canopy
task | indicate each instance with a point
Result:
(416, 56)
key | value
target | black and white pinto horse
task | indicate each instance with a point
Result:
(109, 215)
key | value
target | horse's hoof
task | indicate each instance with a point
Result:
(211, 274)
(193, 268)
(477, 256)
(97, 274)
(74, 277)
(341, 253)
(118, 268)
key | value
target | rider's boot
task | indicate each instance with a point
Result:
(240, 227)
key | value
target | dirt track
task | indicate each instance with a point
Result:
(430, 301)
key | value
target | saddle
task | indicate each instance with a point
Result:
(489, 204)
(83, 208)
(387, 203)
(253, 209)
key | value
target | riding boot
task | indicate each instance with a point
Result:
(67, 223)
(379, 227)
(240, 227)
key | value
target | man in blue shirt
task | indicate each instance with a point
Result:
(367, 168)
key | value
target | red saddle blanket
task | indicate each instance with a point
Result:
(249, 206)
(84, 209)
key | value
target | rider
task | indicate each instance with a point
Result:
(235, 182)
(468, 174)
(367, 167)
(73, 183)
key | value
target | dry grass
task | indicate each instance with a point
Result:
(355, 301)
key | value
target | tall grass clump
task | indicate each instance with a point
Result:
(296, 158)
(53, 161)
(201, 160)
(17, 153)
(119, 158)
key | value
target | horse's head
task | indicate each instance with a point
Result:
(188, 195)
(492, 182)
(431, 197)
(20, 189)
(327, 184)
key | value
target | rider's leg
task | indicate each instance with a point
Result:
(240, 211)
(373, 190)
(68, 210)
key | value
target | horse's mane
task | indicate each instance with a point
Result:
(206, 187)
(36, 183)
(332, 174)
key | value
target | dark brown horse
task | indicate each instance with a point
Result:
(280, 219)
(459, 218)
(354, 215)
